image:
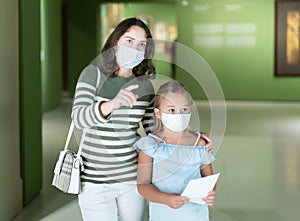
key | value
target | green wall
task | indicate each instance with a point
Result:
(161, 12)
(82, 38)
(11, 183)
(51, 53)
(245, 72)
(30, 98)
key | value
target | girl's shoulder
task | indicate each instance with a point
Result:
(192, 138)
(146, 143)
(195, 137)
(201, 142)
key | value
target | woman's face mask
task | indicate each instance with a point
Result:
(175, 122)
(128, 57)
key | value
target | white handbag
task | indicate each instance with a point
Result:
(68, 168)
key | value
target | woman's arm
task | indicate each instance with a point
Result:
(208, 141)
(148, 119)
(85, 111)
(149, 191)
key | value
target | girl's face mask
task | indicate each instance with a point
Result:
(128, 57)
(175, 122)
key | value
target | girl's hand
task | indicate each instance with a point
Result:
(208, 141)
(176, 201)
(210, 198)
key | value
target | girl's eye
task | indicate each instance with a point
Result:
(186, 110)
(171, 111)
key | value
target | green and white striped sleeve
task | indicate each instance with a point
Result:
(85, 110)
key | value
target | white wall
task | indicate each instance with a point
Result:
(10, 184)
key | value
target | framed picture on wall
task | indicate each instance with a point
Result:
(149, 21)
(287, 38)
(114, 14)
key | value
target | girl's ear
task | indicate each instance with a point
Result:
(157, 112)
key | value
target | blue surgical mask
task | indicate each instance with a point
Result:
(128, 57)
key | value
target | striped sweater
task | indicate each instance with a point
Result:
(107, 145)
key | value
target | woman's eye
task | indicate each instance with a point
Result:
(142, 45)
(129, 41)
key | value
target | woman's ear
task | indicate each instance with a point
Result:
(116, 46)
(157, 112)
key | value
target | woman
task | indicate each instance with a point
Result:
(109, 116)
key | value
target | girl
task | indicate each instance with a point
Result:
(172, 156)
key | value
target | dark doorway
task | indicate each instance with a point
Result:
(64, 48)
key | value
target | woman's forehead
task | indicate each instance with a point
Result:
(135, 33)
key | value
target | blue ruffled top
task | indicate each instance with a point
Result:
(173, 165)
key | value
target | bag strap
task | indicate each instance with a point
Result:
(70, 133)
(81, 143)
(98, 78)
(71, 129)
(98, 82)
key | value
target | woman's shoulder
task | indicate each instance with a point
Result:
(89, 74)
(92, 75)
(146, 88)
(91, 68)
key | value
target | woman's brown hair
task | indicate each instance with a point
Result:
(109, 63)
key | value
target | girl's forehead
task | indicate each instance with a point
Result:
(175, 99)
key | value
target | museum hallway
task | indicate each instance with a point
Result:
(259, 162)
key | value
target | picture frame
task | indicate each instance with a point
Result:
(148, 20)
(114, 14)
(287, 38)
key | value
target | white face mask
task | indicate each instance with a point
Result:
(176, 122)
(128, 57)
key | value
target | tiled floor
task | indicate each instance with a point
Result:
(259, 162)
